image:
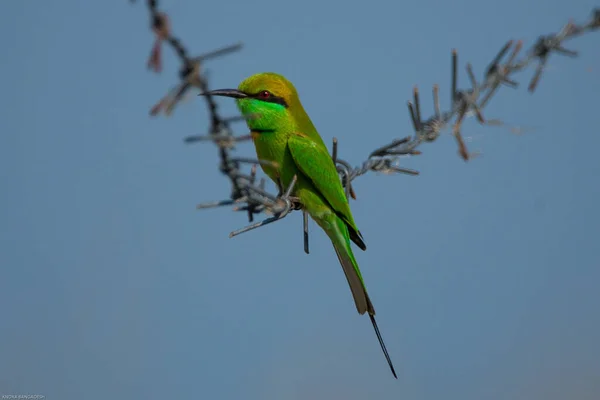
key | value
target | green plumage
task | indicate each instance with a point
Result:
(284, 134)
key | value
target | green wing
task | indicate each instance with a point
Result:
(315, 162)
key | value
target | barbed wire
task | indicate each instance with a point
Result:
(249, 195)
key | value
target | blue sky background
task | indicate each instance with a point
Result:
(484, 274)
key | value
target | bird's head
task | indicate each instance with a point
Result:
(267, 99)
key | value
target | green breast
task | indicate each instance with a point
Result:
(270, 147)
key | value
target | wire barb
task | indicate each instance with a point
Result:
(546, 45)
(497, 74)
(190, 72)
(305, 228)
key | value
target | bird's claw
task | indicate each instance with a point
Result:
(280, 208)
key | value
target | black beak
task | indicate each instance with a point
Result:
(226, 93)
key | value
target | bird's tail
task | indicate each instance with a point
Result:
(340, 238)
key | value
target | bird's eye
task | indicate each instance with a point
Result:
(265, 94)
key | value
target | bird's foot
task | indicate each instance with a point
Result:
(296, 204)
(280, 208)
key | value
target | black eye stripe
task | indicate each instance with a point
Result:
(271, 99)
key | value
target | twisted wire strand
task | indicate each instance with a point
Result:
(250, 196)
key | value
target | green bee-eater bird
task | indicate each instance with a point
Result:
(283, 133)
